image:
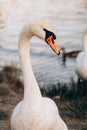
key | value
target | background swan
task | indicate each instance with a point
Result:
(35, 112)
(81, 61)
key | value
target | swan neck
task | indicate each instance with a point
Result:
(31, 89)
(85, 42)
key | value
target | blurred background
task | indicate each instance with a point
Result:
(69, 20)
(54, 74)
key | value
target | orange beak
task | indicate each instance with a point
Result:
(50, 41)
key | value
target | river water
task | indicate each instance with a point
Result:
(69, 20)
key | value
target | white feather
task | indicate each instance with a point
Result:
(81, 61)
(34, 112)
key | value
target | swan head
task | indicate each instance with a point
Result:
(44, 31)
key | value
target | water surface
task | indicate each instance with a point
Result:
(69, 20)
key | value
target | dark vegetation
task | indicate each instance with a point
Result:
(71, 98)
(74, 94)
(10, 76)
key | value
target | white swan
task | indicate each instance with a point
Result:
(35, 112)
(81, 61)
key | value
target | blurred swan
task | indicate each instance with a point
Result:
(35, 112)
(81, 61)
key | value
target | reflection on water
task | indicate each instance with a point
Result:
(69, 19)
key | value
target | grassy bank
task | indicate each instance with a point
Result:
(71, 98)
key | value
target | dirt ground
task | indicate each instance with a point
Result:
(73, 124)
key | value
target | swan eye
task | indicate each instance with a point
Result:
(48, 34)
(54, 36)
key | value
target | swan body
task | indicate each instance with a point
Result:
(81, 61)
(35, 112)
